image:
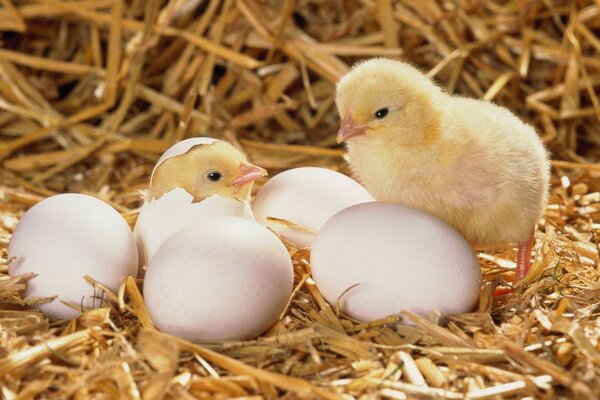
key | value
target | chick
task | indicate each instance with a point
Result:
(205, 170)
(471, 163)
(196, 179)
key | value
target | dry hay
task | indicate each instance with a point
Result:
(92, 91)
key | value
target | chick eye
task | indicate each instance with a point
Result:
(382, 113)
(214, 176)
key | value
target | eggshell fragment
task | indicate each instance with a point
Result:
(182, 147)
(399, 258)
(159, 219)
(306, 196)
(226, 279)
(62, 239)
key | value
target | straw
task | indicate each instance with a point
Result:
(92, 93)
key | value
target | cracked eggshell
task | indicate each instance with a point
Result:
(160, 219)
(307, 196)
(181, 147)
(62, 239)
(399, 258)
(226, 279)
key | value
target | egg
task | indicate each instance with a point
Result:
(308, 197)
(379, 258)
(226, 279)
(62, 239)
(159, 219)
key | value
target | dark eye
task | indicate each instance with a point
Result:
(214, 176)
(382, 113)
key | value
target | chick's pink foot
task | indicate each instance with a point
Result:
(523, 264)
(523, 258)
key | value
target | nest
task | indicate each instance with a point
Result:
(93, 91)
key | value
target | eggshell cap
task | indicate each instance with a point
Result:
(182, 147)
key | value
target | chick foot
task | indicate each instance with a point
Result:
(524, 258)
(523, 264)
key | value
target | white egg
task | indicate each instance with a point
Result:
(306, 196)
(398, 258)
(62, 239)
(227, 279)
(159, 219)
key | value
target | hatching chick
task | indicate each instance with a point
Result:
(473, 164)
(205, 170)
(195, 179)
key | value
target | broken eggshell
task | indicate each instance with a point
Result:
(159, 219)
(181, 147)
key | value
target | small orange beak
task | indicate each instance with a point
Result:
(248, 173)
(348, 129)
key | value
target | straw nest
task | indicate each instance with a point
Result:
(92, 91)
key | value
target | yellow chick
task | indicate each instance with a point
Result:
(195, 179)
(205, 170)
(471, 163)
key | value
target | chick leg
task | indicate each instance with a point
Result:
(524, 258)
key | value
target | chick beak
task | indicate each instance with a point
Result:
(349, 129)
(248, 173)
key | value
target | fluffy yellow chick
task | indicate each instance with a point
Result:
(472, 163)
(205, 170)
(195, 179)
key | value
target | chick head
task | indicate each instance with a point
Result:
(387, 100)
(205, 170)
